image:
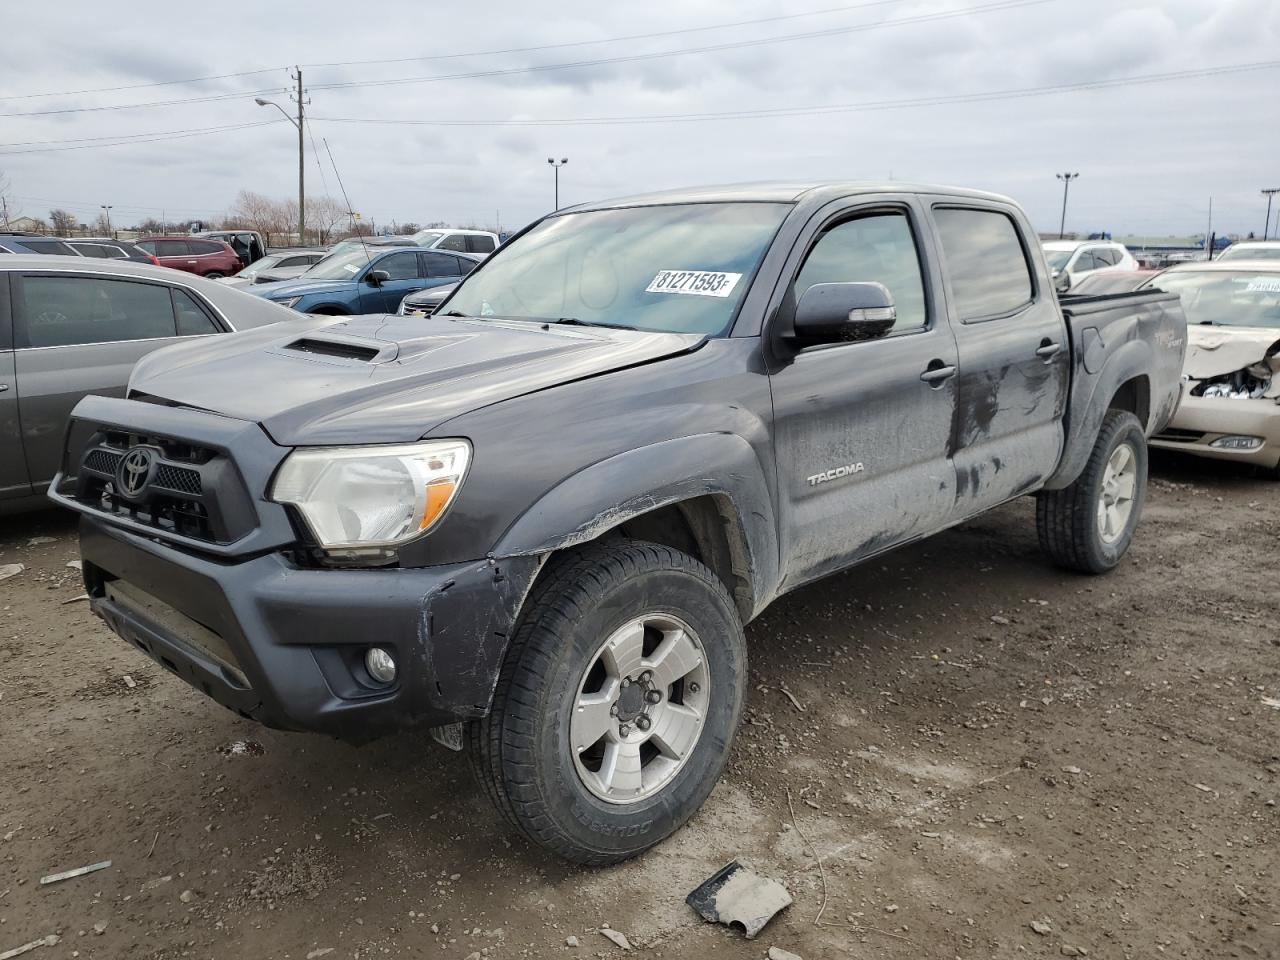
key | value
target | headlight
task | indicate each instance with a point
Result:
(289, 302)
(356, 498)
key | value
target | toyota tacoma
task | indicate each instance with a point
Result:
(537, 521)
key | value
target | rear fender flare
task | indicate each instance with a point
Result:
(1091, 396)
(607, 494)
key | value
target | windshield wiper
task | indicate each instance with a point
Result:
(575, 322)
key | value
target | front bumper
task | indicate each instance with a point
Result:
(284, 645)
(1202, 420)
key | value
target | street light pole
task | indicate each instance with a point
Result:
(1268, 193)
(107, 207)
(298, 123)
(1066, 179)
(556, 167)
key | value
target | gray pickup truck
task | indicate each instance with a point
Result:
(537, 521)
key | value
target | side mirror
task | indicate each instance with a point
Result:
(376, 278)
(1062, 283)
(829, 312)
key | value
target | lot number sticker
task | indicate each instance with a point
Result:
(1263, 286)
(699, 283)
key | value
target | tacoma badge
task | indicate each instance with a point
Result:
(846, 471)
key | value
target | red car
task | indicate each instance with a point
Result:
(205, 258)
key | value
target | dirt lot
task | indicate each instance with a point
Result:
(977, 742)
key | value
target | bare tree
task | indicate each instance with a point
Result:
(324, 215)
(64, 222)
(150, 227)
(102, 226)
(8, 205)
(257, 212)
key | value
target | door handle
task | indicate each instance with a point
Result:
(937, 373)
(1048, 349)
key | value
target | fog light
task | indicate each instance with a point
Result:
(1238, 443)
(380, 664)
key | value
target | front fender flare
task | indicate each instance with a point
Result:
(606, 494)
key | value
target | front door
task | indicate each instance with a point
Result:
(75, 335)
(861, 430)
(1014, 357)
(406, 276)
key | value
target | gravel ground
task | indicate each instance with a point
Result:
(955, 752)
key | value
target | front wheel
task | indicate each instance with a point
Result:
(617, 703)
(214, 275)
(1089, 525)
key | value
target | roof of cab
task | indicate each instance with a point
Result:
(781, 191)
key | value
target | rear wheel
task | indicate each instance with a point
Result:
(1089, 525)
(214, 275)
(617, 703)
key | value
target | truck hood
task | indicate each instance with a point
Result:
(384, 379)
(1219, 351)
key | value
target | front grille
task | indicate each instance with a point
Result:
(1177, 435)
(192, 492)
(177, 478)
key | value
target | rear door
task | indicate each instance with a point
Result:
(13, 463)
(1013, 355)
(862, 429)
(175, 254)
(78, 334)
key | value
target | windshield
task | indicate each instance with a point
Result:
(1250, 253)
(1057, 258)
(424, 238)
(255, 268)
(681, 268)
(340, 266)
(1237, 299)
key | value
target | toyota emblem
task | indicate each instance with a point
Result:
(134, 471)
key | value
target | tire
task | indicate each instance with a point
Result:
(214, 275)
(1069, 522)
(522, 751)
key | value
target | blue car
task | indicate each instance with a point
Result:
(367, 281)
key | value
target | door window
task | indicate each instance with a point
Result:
(441, 265)
(1106, 257)
(480, 244)
(202, 248)
(64, 310)
(192, 320)
(171, 248)
(987, 263)
(465, 266)
(454, 241)
(400, 266)
(1084, 262)
(879, 248)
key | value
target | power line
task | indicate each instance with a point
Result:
(142, 139)
(817, 110)
(140, 86)
(622, 39)
(453, 56)
(150, 103)
(1000, 5)
(120, 136)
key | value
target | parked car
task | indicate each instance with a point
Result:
(1230, 407)
(14, 242)
(76, 327)
(1104, 282)
(204, 258)
(1252, 250)
(361, 281)
(1069, 260)
(367, 243)
(425, 302)
(276, 266)
(461, 241)
(106, 248)
(248, 245)
(545, 513)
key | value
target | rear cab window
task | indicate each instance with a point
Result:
(986, 263)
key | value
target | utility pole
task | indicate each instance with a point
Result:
(298, 123)
(302, 188)
(107, 209)
(1208, 233)
(556, 167)
(1268, 193)
(1066, 179)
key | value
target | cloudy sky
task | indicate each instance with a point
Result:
(1150, 154)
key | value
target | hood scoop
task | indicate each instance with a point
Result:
(350, 349)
